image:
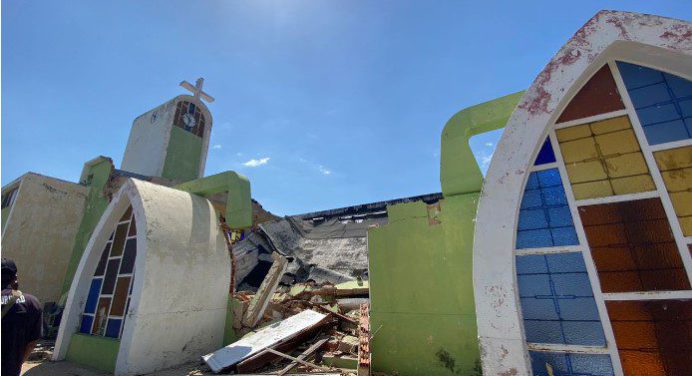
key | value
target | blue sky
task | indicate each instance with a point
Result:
(322, 104)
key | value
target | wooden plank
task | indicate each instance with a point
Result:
(315, 346)
(267, 337)
(260, 301)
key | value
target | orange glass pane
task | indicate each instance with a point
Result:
(633, 247)
(101, 316)
(653, 337)
(120, 296)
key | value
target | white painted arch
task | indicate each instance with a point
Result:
(642, 39)
(182, 275)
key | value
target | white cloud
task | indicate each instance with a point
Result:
(216, 147)
(324, 170)
(239, 154)
(256, 162)
(489, 144)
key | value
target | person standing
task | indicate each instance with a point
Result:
(22, 321)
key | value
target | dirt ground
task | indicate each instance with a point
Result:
(39, 364)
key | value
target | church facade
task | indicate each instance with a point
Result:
(571, 257)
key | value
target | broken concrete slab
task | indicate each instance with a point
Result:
(267, 337)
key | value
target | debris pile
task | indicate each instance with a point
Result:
(305, 327)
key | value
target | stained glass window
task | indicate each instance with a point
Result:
(557, 301)
(189, 117)
(545, 219)
(111, 286)
(663, 102)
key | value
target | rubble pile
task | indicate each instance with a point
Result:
(306, 327)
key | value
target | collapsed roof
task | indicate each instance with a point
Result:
(326, 246)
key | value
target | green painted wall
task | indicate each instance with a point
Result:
(183, 156)
(422, 312)
(95, 176)
(94, 351)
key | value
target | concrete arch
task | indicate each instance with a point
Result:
(182, 275)
(643, 39)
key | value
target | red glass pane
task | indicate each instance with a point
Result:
(119, 241)
(599, 95)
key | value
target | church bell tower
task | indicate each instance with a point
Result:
(172, 140)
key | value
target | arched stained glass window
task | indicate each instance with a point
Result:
(605, 228)
(109, 294)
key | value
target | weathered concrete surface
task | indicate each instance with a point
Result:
(40, 230)
(649, 40)
(151, 152)
(182, 276)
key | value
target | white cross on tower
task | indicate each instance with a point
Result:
(197, 89)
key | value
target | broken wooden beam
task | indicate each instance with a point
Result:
(315, 346)
(260, 301)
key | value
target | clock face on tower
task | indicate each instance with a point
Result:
(190, 118)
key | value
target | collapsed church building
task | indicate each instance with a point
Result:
(571, 257)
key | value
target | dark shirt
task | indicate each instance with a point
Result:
(21, 325)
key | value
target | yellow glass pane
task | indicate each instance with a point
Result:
(632, 184)
(674, 158)
(573, 133)
(585, 171)
(682, 202)
(579, 150)
(611, 125)
(620, 142)
(626, 165)
(678, 180)
(686, 224)
(595, 189)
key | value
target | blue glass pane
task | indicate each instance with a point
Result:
(661, 100)
(531, 264)
(554, 196)
(85, 327)
(549, 178)
(93, 297)
(113, 328)
(534, 284)
(576, 284)
(557, 300)
(532, 219)
(564, 236)
(545, 219)
(567, 364)
(534, 239)
(539, 331)
(191, 108)
(532, 199)
(546, 154)
(572, 262)
(587, 333)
